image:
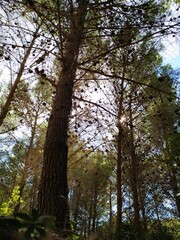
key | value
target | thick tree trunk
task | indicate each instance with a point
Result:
(53, 190)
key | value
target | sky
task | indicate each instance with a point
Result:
(171, 51)
(174, 61)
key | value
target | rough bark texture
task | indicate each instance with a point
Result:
(53, 191)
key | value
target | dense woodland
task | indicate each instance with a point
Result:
(89, 117)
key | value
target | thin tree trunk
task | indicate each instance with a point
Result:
(142, 206)
(119, 154)
(33, 197)
(5, 108)
(53, 190)
(90, 215)
(75, 205)
(94, 207)
(156, 210)
(174, 182)
(134, 173)
(110, 205)
(119, 179)
(24, 172)
(175, 188)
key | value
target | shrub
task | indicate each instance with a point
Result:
(32, 225)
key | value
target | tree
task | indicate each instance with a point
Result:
(84, 38)
(55, 153)
(53, 194)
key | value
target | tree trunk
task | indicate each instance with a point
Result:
(53, 190)
(94, 217)
(173, 178)
(75, 205)
(110, 205)
(134, 173)
(90, 215)
(119, 179)
(27, 163)
(142, 207)
(119, 154)
(10, 97)
(33, 197)
(175, 188)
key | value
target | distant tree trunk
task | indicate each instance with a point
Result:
(94, 217)
(28, 157)
(175, 188)
(156, 205)
(84, 228)
(142, 207)
(119, 178)
(134, 173)
(75, 205)
(173, 178)
(90, 215)
(110, 204)
(119, 154)
(33, 196)
(53, 190)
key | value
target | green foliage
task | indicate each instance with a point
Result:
(90, 192)
(173, 226)
(125, 232)
(69, 235)
(32, 225)
(7, 208)
(162, 233)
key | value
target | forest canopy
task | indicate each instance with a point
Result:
(89, 118)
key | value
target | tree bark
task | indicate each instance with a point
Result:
(53, 190)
